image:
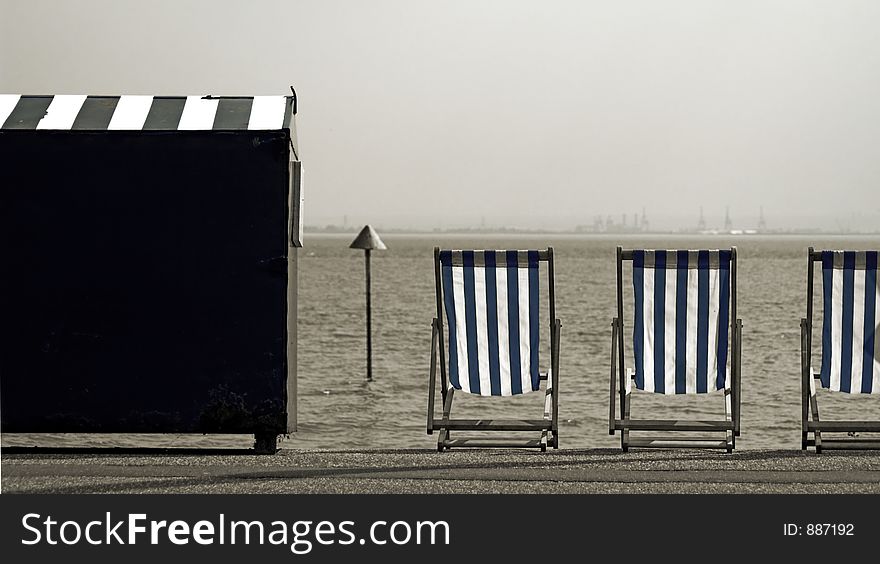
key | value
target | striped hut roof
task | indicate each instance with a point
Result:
(146, 113)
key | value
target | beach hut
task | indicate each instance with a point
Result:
(149, 264)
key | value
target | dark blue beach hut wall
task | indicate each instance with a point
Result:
(148, 264)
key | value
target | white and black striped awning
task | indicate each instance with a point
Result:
(136, 113)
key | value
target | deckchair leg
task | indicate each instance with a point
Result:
(547, 436)
(444, 431)
(809, 404)
(737, 406)
(624, 386)
(728, 409)
(814, 409)
(805, 384)
(432, 376)
(817, 434)
(556, 387)
(624, 433)
(612, 401)
(551, 397)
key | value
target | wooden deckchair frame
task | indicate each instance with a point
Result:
(547, 427)
(810, 422)
(730, 426)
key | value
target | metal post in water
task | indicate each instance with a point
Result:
(369, 320)
(368, 240)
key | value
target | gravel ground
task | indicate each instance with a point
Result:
(426, 471)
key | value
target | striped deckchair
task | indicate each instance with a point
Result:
(684, 326)
(488, 308)
(850, 345)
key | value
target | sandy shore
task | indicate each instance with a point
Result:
(425, 471)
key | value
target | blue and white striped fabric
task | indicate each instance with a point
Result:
(851, 324)
(491, 302)
(682, 312)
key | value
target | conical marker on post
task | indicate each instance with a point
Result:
(368, 240)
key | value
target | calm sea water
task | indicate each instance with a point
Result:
(339, 409)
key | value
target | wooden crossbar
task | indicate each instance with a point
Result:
(677, 442)
(494, 443)
(844, 426)
(673, 425)
(847, 444)
(494, 425)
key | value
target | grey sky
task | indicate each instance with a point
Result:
(520, 111)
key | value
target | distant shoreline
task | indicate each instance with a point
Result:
(507, 232)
